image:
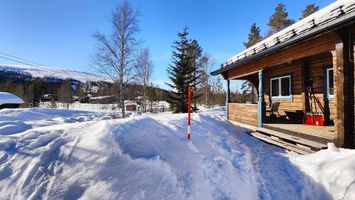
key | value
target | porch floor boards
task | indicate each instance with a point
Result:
(299, 138)
(327, 133)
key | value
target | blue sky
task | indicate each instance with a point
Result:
(58, 33)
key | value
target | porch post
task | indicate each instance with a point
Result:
(344, 90)
(228, 99)
(261, 103)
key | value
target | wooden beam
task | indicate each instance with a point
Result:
(261, 102)
(305, 79)
(228, 99)
(228, 92)
(344, 90)
(241, 76)
(291, 147)
(323, 43)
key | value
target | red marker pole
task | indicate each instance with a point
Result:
(189, 113)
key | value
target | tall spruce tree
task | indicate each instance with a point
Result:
(279, 20)
(254, 36)
(181, 72)
(310, 9)
(195, 54)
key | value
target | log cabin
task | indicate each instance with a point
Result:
(302, 74)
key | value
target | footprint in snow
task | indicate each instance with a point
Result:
(190, 145)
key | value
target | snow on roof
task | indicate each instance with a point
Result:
(9, 98)
(101, 97)
(59, 73)
(317, 19)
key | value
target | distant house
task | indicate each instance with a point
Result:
(102, 99)
(8, 100)
(47, 97)
(84, 99)
(131, 107)
(305, 75)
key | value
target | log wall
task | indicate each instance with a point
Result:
(243, 113)
(301, 71)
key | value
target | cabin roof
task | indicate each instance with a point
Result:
(9, 98)
(332, 16)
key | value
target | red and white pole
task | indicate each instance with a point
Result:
(189, 113)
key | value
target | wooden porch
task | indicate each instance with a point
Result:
(309, 74)
(289, 134)
(293, 137)
(322, 134)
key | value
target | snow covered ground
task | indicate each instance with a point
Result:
(63, 154)
(158, 106)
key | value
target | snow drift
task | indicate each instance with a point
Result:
(75, 154)
(334, 168)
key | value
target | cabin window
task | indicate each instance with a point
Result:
(330, 82)
(281, 87)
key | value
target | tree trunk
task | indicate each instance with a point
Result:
(144, 97)
(122, 98)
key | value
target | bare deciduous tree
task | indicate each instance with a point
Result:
(65, 93)
(206, 64)
(115, 54)
(143, 70)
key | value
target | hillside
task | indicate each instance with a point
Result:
(49, 72)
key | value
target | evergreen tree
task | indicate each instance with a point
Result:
(279, 20)
(310, 9)
(195, 54)
(254, 36)
(153, 98)
(181, 72)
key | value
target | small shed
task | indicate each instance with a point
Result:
(131, 107)
(9, 100)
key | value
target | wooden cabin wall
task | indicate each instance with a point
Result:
(304, 49)
(314, 69)
(352, 38)
(243, 113)
(295, 70)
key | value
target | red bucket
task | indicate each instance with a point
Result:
(313, 118)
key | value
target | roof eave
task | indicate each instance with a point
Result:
(340, 22)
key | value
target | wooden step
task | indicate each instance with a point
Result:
(293, 139)
(289, 146)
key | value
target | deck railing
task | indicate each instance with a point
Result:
(243, 113)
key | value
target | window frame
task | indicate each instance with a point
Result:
(329, 96)
(280, 97)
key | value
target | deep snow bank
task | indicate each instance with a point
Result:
(334, 168)
(78, 155)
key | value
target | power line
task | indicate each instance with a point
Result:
(16, 60)
(21, 59)
(28, 62)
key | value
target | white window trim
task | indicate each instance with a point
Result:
(328, 94)
(280, 97)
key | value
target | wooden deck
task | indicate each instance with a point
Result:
(327, 133)
(299, 138)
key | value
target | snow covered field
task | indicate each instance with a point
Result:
(63, 154)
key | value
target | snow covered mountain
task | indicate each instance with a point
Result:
(49, 72)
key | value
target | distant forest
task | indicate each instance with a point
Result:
(32, 90)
